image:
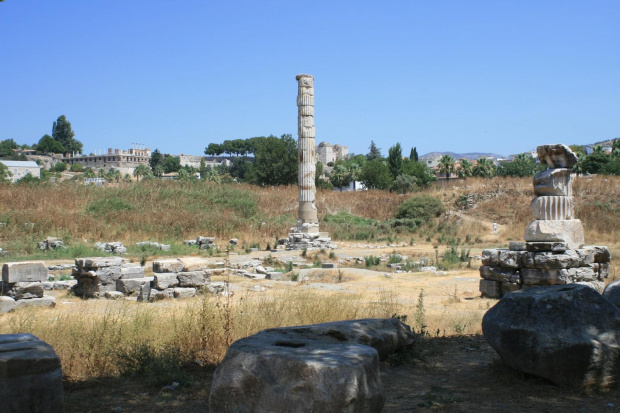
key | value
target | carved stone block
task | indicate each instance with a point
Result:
(553, 207)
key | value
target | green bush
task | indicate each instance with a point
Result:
(421, 207)
(60, 167)
(77, 167)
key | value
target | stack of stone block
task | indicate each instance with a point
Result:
(176, 278)
(22, 286)
(307, 236)
(553, 251)
(100, 275)
(163, 247)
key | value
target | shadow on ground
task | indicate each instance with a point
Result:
(447, 374)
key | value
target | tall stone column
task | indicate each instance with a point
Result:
(308, 219)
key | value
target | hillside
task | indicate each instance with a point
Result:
(469, 155)
(170, 212)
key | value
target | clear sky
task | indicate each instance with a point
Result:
(479, 76)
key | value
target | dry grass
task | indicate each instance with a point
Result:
(94, 338)
(172, 211)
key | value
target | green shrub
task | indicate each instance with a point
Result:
(422, 207)
(107, 205)
(371, 260)
(77, 167)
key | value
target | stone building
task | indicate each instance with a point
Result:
(327, 153)
(212, 161)
(20, 169)
(124, 161)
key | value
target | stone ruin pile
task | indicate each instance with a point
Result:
(163, 247)
(180, 278)
(204, 243)
(553, 251)
(113, 247)
(22, 286)
(103, 276)
(51, 243)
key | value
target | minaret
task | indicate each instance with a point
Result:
(307, 156)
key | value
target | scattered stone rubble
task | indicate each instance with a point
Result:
(51, 243)
(331, 367)
(113, 247)
(30, 375)
(554, 251)
(163, 247)
(22, 286)
(203, 243)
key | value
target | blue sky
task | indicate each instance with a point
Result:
(484, 76)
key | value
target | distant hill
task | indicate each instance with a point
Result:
(608, 142)
(469, 155)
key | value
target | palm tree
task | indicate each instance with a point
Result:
(447, 166)
(465, 169)
(484, 168)
(140, 171)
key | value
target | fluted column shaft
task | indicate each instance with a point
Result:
(306, 147)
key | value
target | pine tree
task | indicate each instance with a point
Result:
(62, 133)
(414, 154)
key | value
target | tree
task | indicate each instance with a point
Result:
(77, 167)
(157, 159)
(214, 149)
(62, 132)
(5, 174)
(374, 152)
(171, 164)
(89, 173)
(594, 162)
(140, 171)
(240, 168)
(522, 165)
(375, 174)
(395, 160)
(447, 166)
(484, 168)
(405, 183)
(47, 144)
(465, 169)
(414, 154)
(275, 162)
(340, 176)
(6, 148)
(424, 176)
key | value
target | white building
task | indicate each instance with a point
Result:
(19, 169)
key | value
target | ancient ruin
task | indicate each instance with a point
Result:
(306, 233)
(23, 286)
(553, 251)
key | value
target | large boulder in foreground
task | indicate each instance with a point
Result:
(612, 293)
(328, 367)
(30, 375)
(568, 334)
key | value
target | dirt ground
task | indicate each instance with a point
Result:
(454, 371)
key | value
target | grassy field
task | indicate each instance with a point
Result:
(169, 212)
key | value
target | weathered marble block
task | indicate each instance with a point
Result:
(30, 375)
(27, 271)
(567, 231)
(553, 182)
